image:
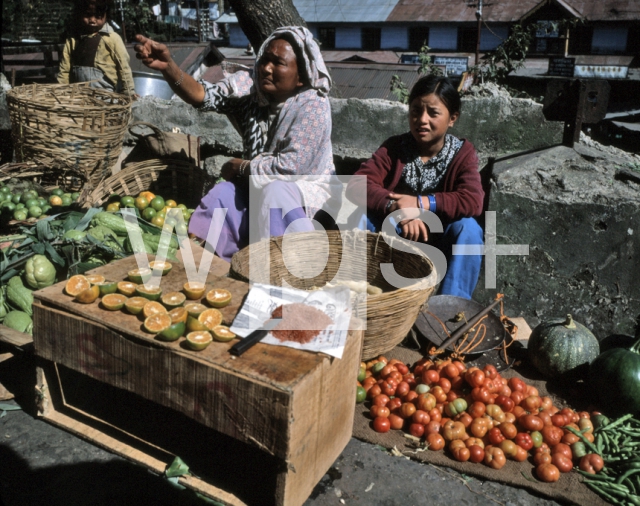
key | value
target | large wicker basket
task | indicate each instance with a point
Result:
(47, 178)
(351, 254)
(174, 179)
(73, 125)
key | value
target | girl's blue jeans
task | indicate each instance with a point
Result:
(463, 271)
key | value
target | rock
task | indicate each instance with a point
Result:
(214, 164)
(579, 212)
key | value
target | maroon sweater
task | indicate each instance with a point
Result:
(462, 196)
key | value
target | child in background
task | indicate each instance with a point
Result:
(95, 52)
(427, 168)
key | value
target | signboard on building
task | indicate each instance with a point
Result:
(455, 66)
(602, 71)
(409, 58)
(561, 67)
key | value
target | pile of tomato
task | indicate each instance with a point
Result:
(477, 415)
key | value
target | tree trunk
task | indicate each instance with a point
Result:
(259, 18)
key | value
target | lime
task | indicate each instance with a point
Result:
(157, 203)
(66, 200)
(141, 203)
(222, 334)
(198, 340)
(31, 202)
(57, 191)
(20, 205)
(135, 305)
(173, 332)
(127, 288)
(173, 299)
(45, 208)
(152, 307)
(20, 215)
(171, 203)
(169, 221)
(107, 287)
(138, 276)
(361, 394)
(148, 293)
(113, 301)
(55, 200)
(16, 198)
(162, 213)
(182, 229)
(157, 323)
(114, 207)
(157, 220)
(165, 267)
(194, 291)
(182, 206)
(218, 297)
(362, 373)
(42, 201)
(35, 211)
(149, 213)
(5, 189)
(28, 195)
(7, 204)
(127, 201)
(89, 295)
(74, 196)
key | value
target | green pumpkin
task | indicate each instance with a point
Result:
(560, 346)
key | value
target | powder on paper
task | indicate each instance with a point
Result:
(302, 323)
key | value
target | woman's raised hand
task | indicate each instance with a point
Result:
(153, 54)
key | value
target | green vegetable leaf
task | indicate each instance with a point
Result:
(38, 248)
(176, 468)
(53, 254)
(43, 230)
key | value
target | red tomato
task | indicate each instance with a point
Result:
(551, 434)
(402, 389)
(548, 472)
(433, 427)
(451, 396)
(572, 416)
(474, 441)
(430, 376)
(523, 440)
(490, 371)
(461, 454)
(517, 385)
(374, 391)
(407, 410)
(563, 464)
(421, 417)
(410, 378)
(531, 403)
(396, 422)
(465, 418)
(435, 414)
(368, 382)
(481, 394)
(410, 397)
(379, 411)
(476, 454)
(380, 400)
(495, 436)
(402, 368)
(475, 378)
(426, 402)
(517, 397)
(445, 384)
(494, 457)
(546, 403)
(531, 422)
(451, 371)
(531, 390)
(506, 403)
(558, 420)
(545, 416)
(381, 424)
(439, 394)
(436, 442)
(477, 409)
(542, 458)
(458, 383)
(518, 411)
(394, 404)
(569, 438)
(508, 430)
(388, 388)
(564, 449)
(591, 463)
(504, 390)
(521, 454)
(386, 370)
(416, 429)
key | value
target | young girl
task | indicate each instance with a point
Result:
(431, 169)
(95, 52)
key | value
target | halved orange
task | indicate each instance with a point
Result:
(173, 299)
(178, 315)
(152, 307)
(139, 275)
(165, 267)
(222, 333)
(218, 297)
(210, 318)
(193, 324)
(157, 323)
(113, 301)
(173, 332)
(195, 308)
(77, 284)
(127, 288)
(148, 293)
(194, 290)
(89, 295)
(107, 287)
(198, 340)
(135, 305)
(95, 279)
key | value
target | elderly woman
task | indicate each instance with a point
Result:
(283, 115)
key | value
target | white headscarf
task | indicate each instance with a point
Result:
(319, 78)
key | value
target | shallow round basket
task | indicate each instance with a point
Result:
(174, 179)
(74, 125)
(311, 259)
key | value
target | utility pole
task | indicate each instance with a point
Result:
(479, 18)
(124, 30)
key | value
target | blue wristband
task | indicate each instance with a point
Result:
(420, 202)
(432, 203)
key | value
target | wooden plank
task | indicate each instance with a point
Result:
(11, 336)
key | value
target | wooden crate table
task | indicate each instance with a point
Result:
(293, 406)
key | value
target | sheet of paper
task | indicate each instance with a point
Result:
(263, 299)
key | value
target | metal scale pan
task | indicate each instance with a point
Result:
(446, 307)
